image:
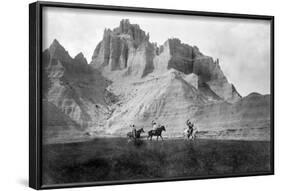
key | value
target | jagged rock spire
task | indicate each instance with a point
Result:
(57, 51)
(79, 58)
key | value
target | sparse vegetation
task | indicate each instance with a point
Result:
(115, 159)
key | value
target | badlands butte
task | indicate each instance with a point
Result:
(131, 80)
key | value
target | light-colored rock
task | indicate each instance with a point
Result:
(74, 88)
(137, 57)
(126, 48)
(248, 118)
(168, 99)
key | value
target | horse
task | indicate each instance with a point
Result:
(137, 135)
(188, 136)
(157, 132)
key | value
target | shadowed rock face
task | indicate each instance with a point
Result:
(182, 56)
(127, 49)
(189, 59)
(74, 88)
(56, 124)
(133, 81)
(133, 30)
(80, 59)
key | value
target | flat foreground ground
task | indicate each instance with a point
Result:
(106, 159)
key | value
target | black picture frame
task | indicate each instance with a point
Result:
(35, 88)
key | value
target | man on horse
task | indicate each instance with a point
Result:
(156, 132)
(134, 134)
(134, 131)
(154, 125)
(190, 129)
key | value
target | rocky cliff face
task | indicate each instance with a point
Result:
(188, 59)
(127, 49)
(74, 88)
(133, 81)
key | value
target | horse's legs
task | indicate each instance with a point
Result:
(193, 137)
(161, 137)
(157, 137)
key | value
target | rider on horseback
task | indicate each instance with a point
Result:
(134, 131)
(190, 128)
(154, 125)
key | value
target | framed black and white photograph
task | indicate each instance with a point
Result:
(123, 95)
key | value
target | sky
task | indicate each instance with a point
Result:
(241, 45)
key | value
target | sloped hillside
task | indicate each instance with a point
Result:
(56, 124)
(248, 118)
(74, 88)
(168, 99)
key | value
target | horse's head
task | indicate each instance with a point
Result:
(163, 128)
(141, 130)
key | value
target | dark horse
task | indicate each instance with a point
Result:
(138, 133)
(157, 132)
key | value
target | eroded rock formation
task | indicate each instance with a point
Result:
(73, 87)
(127, 49)
(131, 80)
